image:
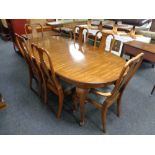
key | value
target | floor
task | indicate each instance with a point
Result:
(27, 114)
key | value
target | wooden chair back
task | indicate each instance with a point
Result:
(115, 28)
(103, 40)
(81, 34)
(33, 29)
(22, 46)
(28, 56)
(18, 41)
(46, 66)
(100, 26)
(127, 73)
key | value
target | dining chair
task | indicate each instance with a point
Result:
(115, 28)
(67, 29)
(132, 32)
(50, 80)
(102, 40)
(33, 30)
(80, 34)
(34, 70)
(100, 26)
(106, 41)
(103, 99)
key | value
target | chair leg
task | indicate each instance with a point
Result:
(14, 46)
(104, 118)
(119, 105)
(153, 90)
(30, 79)
(45, 91)
(60, 105)
(75, 102)
(40, 87)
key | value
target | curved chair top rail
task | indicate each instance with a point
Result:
(33, 29)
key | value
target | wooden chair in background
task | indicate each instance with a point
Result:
(50, 80)
(34, 70)
(108, 98)
(67, 30)
(80, 34)
(33, 30)
(43, 22)
(102, 39)
(115, 28)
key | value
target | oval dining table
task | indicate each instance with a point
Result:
(86, 67)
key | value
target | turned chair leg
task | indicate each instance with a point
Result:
(45, 91)
(104, 118)
(14, 47)
(119, 105)
(75, 102)
(40, 88)
(153, 90)
(30, 78)
(60, 105)
(30, 81)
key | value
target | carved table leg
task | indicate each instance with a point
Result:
(82, 93)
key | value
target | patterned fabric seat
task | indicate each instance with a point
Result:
(100, 99)
(66, 86)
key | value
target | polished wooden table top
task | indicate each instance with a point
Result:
(88, 67)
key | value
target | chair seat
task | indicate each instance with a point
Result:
(91, 42)
(66, 86)
(98, 98)
(91, 39)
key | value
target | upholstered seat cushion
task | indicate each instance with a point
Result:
(91, 39)
(98, 98)
(66, 86)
